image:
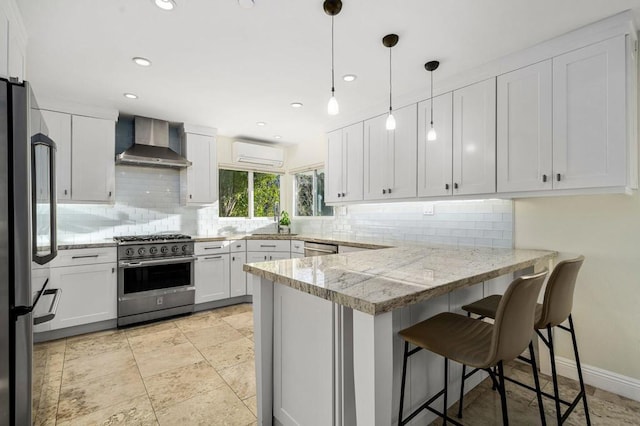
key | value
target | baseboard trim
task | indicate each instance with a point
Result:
(601, 379)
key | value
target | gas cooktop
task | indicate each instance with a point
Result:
(141, 239)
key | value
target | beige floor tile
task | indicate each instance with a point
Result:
(149, 328)
(197, 322)
(252, 404)
(180, 384)
(137, 411)
(242, 322)
(241, 378)
(86, 397)
(89, 345)
(218, 407)
(157, 342)
(151, 363)
(91, 367)
(234, 309)
(211, 336)
(45, 407)
(229, 353)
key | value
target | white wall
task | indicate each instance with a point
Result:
(606, 230)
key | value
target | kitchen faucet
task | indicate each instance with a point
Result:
(276, 216)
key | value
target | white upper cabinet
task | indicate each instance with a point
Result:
(13, 42)
(93, 159)
(589, 109)
(59, 125)
(390, 156)
(524, 144)
(202, 175)
(435, 158)
(474, 139)
(4, 44)
(344, 164)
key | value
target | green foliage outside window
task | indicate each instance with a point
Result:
(309, 190)
(234, 193)
(266, 194)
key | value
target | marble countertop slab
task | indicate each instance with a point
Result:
(378, 281)
(73, 246)
(348, 241)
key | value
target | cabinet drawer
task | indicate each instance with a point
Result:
(76, 257)
(237, 246)
(213, 247)
(297, 246)
(268, 245)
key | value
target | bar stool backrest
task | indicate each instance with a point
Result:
(558, 296)
(515, 317)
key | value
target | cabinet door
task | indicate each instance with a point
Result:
(202, 176)
(93, 165)
(238, 276)
(59, 125)
(17, 57)
(402, 161)
(376, 158)
(435, 157)
(352, 164)
(474, 139)
(333, 182)
(212, 278)
(89, 294)
(254, 257)
(589, 125)
(524, 134)
(279, 255)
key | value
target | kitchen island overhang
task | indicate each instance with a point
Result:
(327, 350)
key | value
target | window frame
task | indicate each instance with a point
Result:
(250, 192)
(294, 193)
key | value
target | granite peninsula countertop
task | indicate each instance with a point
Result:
(378, 281)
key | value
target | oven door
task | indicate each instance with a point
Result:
(154, 277)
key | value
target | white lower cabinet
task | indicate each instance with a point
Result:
(89, 294)
(238, 276)
(212, 278)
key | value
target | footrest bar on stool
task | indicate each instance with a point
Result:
(573, 405)
(422, 407)
(444, 416)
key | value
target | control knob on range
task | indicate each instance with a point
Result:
(185, 248)
(129, 252)
(141, 251)
(153, 250)
(164, 249)
(175, 249)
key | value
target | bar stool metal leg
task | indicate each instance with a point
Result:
(554, 375)
(582, 389)
(503, 394)
(460, 401)
(536, 380)
(404, 376)
(446, 388)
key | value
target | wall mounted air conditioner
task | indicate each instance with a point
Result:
(262, 155)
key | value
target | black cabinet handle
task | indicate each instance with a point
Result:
(559, 177)
(109, 193)
(343, 194)
(233, 258)
(389, 190)
(446, 186)
(455, 185)
(65, 192)
(190, 196)
(544, 178)
(339, 195)
(384, 191)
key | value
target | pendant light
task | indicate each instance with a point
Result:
(332, 8)
(431, 66)
(389, 41)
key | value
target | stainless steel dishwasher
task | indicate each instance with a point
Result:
(318, 249)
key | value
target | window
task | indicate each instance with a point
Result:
(309, 193)
(243, 192)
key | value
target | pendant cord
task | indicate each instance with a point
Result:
(332, 70)
(431, 99)
(390, 85)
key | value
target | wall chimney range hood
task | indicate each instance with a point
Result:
(151, 147)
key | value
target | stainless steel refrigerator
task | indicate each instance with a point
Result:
(27, 234)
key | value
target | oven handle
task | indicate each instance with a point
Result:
(156, 262)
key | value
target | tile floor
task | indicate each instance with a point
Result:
(199, 370)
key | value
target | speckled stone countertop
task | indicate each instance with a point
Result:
(74, 246)
(348, 241)
(379, 281)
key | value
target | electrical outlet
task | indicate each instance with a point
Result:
(428, 209)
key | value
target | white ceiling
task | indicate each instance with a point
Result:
(217, 64)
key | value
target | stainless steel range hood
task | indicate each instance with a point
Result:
(151, 147)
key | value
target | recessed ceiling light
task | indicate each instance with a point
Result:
(165, 4)
(261, 123)
(130, 96)
(277, 137)
(349, 77)
(296, 104)
(143, 62)
(246, 4)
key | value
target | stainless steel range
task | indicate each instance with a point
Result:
(155, 277)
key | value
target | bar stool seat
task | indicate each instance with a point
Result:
(555, 310)
(476, 343)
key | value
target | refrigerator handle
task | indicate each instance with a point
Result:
(53, 308)
(43, 140)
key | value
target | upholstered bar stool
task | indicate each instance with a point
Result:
(554, 310)
(476, 343)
